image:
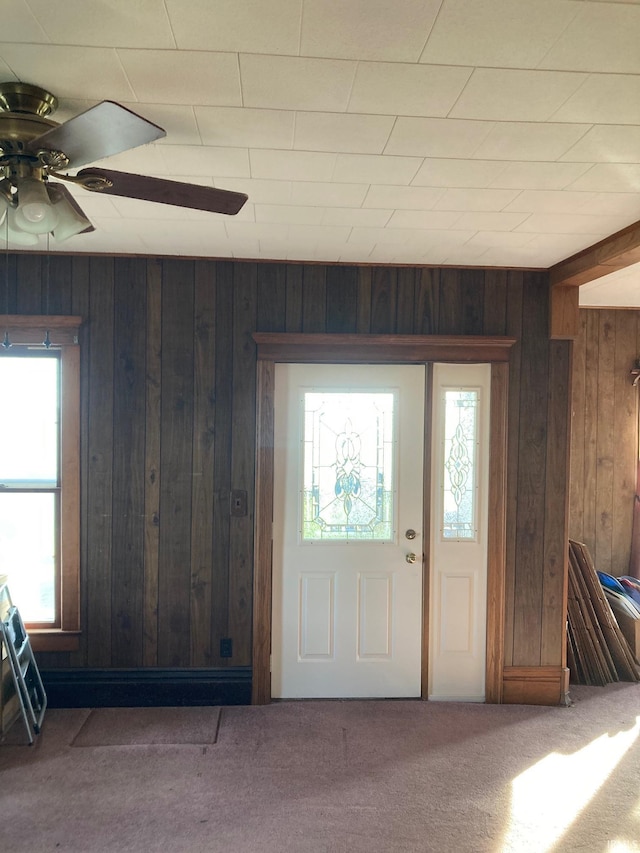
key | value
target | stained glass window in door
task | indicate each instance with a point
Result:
(460, 464)
(348, 466)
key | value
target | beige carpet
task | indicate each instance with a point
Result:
(336, 777)
(149, 726)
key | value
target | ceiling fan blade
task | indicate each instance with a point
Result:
(101, 131)
(165, 192)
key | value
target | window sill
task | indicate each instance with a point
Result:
(53, 640)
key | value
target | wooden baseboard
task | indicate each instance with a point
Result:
(535, 685)
(126, 688)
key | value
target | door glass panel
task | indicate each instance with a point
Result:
(460, 464)
(348, 471)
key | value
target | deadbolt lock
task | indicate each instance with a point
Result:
(410, 534)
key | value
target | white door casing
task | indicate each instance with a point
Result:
(346, 618)
(459, 527)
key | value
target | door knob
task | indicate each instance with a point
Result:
(411, 558)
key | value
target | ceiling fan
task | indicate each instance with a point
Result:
(34, 149)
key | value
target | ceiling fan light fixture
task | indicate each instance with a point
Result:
(71, 220)
(16, 235)
(35, 214)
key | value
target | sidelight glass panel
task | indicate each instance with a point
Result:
(348, 470)
(460, 464)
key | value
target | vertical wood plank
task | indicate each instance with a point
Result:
(127, 547)
(153, 420)
(174, 595)
(384, 300)
(57, 284)
(606, 441)
(531, 476)
(450, 313)
(271, 295)
(591, 429)
(363, 319)
(222, 458)
(514, 316)
(626, 444)
(428, 302)
(342, 295)
(99, 480)
(576, 478)
(555, 559)
(293, 311)
(202, 494)
(495, 302)
(472, 283)
(243, 462)
(314, 299)
(29, 284)
(80, 308)
(406, 301)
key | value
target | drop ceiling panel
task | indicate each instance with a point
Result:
(19, 24)
(181, 77)
(141, 24)
(245, 127)
(605, 99)
(529, 140)
(410, 90)
(437, 137)
(367, 29)
(357, 134)
(370, 169)
(251, 26)
(296, 83)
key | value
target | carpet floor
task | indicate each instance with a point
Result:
(330, 777)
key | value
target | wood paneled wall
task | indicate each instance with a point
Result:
(604, 444)
(168, 429)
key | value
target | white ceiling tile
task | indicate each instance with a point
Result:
(498, 239)
(436, 172)
(183, 77)
(550, 201)
(515, 256)
(360, 134)
(515, 95)
(474, 199)
(490, 221)
(385, 236)
(437, 137)
(205, 161)
(610, 177)
(392, 88)
(367, 29)
(602, 37)
(604, 99)
(565, 223)
(616, 204)
(289, 214)
(296, 83)
(257, 230)
(144, 158)
(328, 194)
(291, 165)
(319, 234)
(237, 25)
(245, 128)
(353, 253)
(355, 216)
(379, 169)
(429, 220)
(121, 23)
(619, 289)
(529, 141)
(610, 144)
(407, 198)
(538, 176)
(178, 121)
(19, 24)
(90, 73)
(494, 33)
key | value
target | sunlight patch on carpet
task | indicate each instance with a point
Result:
(149, 726)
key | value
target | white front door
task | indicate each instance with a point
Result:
(347, 537)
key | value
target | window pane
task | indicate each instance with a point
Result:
(27, 549)
(460, 455)
(348, 466)
(29, 424)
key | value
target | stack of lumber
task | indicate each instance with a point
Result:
(597, 650)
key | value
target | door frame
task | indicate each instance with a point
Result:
(273, 347)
